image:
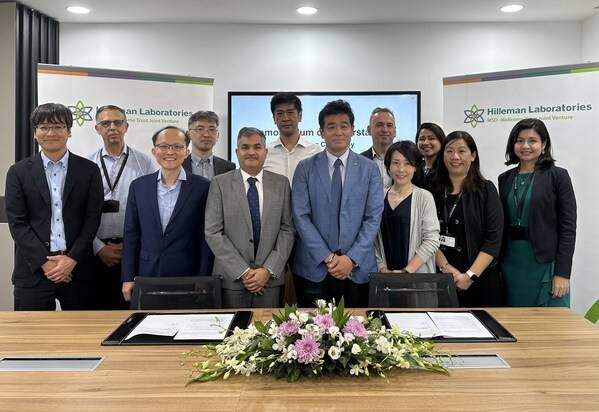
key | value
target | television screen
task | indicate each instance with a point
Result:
(252, 109)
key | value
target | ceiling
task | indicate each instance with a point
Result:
(330, 11)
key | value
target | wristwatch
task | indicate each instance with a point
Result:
(473, 276)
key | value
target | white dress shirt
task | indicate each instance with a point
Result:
(284, 162)
(380, 162)
(332, 159)
(56, 173)
(259, 187)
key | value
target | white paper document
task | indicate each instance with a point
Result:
(446, 324)
(208, 326)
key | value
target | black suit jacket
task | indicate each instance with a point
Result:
(551, 218)
(29, 213)
(220, 165)
(368, 153)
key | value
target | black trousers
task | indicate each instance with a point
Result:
(487, 291)
(108, 287)
(75, 295)
(355, 295)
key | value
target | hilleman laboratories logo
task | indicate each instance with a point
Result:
(474, 116)
(81, 113)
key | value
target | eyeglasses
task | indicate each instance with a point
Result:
(54, 128)
(163, 147)
(200, 130)
(106, 123)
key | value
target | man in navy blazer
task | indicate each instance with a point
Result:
(164, 219)
(337, 202)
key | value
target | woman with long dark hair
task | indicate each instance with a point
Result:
(540, 220)
(409, 234)
(429, 139)
(471, 220)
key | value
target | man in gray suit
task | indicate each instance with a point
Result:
(250, 250)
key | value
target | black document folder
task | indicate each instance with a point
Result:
(500, 334)
(241, 319)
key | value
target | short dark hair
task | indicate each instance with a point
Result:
(284, 98)
(54, 113)
(434, 128)
(207, 115)
(336, 107)
(155, 135)
(250, 131)
(546, 158)
(474, 179)
(110, 107)
(409, 150)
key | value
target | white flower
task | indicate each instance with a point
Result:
(333, 331)
(321, 303)
(360, 319)
(355, 349)
(292, 316)
(355, 370)
(334, 352)
(349, 337)
(382, 344)
(303, 317)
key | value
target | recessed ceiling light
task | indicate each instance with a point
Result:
(307, 10)
(512, 8)
(78, 9)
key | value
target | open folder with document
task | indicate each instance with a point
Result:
(447, 326)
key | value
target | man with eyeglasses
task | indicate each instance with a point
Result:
(53, 206)
(164, 219)
(119, 165)
(203, 132)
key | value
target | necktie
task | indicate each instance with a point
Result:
(254, 204)
(336, 190)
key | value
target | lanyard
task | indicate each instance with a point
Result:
(520, 207)
(447, 216)
(118, 176)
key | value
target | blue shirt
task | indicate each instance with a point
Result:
(56, 173)
(203, 167)
(167, 197)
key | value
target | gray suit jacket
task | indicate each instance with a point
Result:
(228, 228)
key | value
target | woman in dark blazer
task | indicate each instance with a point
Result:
(471, 220)
(540, 220)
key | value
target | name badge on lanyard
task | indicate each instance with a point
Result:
(447, 240)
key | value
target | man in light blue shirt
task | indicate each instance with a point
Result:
(164, 220)
(53, 206)
(119, 165)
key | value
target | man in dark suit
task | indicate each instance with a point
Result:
(382, 129)
(337, 203)
(203, 131)
(249, 227)
(53, 204)
(164, 219)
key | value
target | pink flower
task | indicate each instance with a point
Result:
(289, 327)
(356, 328)
(307, 349)
(324, 321)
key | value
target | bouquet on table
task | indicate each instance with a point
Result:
(327, 341)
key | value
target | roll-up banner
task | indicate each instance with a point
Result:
(566, 98)
(150, 100)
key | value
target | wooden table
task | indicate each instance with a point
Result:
(554, 367)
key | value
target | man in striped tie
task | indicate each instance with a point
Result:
(249, 227)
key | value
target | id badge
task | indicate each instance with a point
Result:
(447, 240)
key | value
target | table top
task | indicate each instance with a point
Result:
(554, 367)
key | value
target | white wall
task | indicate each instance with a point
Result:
(331, 57)
(590, 39)
(326, 57)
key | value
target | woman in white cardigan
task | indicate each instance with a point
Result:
(409, 235)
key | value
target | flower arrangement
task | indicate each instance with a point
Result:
(328, 341)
